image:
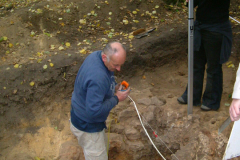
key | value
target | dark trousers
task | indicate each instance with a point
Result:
(209, 53)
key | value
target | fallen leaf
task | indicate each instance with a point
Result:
(68, 44)
(125, 21)
(39, 11)
(10, 45)
(32, 34)
(135, 21)
(45, 66)
(52, 47)
(82, 21)
(130, 36)
(134, 12)
(231, 66)
(143, 77)
(16, 65)
(39, 60)
(227, 104)
(36, 158)
(61, 48)
(51, 64)
(83, 51)
(31, 83)
(15, 91)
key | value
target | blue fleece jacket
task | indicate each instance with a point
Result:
(93, 95)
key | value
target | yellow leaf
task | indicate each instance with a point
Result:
(136, 21)
(106, 2)
(52, 47)
(61, 48)
(83, 51)
(130, 36)
(39, 60)
(39, 11)
(36, 158)
(230, 62)
(5, 38)
(125, 21)
(157, 6)
(134, 12)
(39, 54)
(82, 21)
(45, 66)
(15, 91)
(10, 45)
(31, 83)
(152, 84)
(68, 44)
(110, 13)
(16, 65)
(4, 87)
(231, 66)
(51, 64)
(143, 77)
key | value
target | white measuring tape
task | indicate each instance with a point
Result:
(147, 132)
(234, 19)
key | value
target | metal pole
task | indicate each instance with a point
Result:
(190, 55)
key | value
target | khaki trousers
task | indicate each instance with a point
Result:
(94, 144)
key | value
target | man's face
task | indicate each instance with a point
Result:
(114, 63)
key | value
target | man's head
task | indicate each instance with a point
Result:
(114, 56)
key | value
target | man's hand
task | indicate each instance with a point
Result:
(234, 110)
(122, 95)
(117, 87)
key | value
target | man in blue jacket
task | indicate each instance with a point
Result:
(95, 94)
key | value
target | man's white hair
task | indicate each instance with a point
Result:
(109, 50)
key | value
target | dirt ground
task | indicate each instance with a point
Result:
(42, 46)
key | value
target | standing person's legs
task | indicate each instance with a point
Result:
(198, 76)
(94, 144)
(212, 95)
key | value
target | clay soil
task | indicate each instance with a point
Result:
(43, 44)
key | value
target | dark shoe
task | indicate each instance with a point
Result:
(181, 100)
(205, 108)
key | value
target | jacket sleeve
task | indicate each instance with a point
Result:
(97, 107)
(236, 91)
